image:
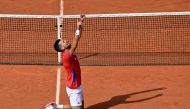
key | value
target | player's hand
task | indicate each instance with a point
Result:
(82, 17)
(80, 22)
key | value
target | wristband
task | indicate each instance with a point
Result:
(77, 33)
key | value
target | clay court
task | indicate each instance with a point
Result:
(105, 87)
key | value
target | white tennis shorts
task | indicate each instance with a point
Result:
(75, 96)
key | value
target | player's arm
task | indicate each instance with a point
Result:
(77, 34)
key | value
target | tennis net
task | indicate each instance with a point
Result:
(133, 39)
(27, 39)
(107, 39)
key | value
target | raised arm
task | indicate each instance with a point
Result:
(77, 33)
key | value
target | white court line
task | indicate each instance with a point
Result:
(61, 7)
(58, 88)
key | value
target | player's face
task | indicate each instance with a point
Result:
(65, 44)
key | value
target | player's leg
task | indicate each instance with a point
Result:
(79, 107)
(76, 97)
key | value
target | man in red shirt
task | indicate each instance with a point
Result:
(71, 64)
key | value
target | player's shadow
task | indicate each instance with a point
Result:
(89, 55)
(122, 99)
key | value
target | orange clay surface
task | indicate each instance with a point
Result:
(130, 87)
(121, 87)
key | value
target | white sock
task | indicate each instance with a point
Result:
(59, 106)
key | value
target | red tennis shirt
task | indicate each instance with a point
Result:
(73, 71)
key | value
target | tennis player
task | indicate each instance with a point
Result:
(71, 64)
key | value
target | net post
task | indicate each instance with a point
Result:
(59, 35)
(59, 29)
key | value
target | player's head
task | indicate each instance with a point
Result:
(61, 45)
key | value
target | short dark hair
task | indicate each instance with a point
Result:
(56, 45)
